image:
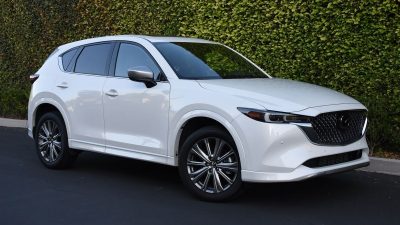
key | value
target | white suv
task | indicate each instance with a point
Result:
(195, 104)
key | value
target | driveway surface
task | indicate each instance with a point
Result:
(103, 189)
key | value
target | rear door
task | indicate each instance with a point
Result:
(81, 88)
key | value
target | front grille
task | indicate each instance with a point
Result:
(336, 128)
(333, 159)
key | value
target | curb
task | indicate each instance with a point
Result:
(377, 165)
(13, 123)
(381, 165)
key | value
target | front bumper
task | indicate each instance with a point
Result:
(277, 152)
(302, 172)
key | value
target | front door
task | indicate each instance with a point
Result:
(136, 117)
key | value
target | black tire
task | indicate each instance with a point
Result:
(65, 156)
(202, 189)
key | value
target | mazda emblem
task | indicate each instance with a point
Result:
(343, 122)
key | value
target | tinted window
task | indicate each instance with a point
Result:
(67, 57)
(131, 56)
(207, 61)
(93, 59)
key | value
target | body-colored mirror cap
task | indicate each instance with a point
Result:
(142, 74)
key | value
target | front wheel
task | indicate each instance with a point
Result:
(209, 164)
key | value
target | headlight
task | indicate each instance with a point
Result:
(274, 117)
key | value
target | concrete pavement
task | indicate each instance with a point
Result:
(101, 189)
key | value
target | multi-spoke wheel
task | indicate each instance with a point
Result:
(209, 164)
(51, 142)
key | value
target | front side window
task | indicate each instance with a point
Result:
(199, 61)
(93, 59)
(131, 56)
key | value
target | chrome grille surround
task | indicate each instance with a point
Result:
(336, 128)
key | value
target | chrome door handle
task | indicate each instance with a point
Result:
(63, 85)
(112, 93)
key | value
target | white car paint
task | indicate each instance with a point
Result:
(273, 94)
(145, 123)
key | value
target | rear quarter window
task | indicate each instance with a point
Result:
(67, 57)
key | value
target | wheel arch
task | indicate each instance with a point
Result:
(197, 119)
(45, 106)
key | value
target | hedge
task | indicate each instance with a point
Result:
(350, 46)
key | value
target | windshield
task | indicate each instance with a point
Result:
(200, 61)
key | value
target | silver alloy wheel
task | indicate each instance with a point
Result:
(49, 141)
(212, 165)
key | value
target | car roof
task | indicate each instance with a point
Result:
(172, 39)
(153, 39)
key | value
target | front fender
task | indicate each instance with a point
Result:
(174, 135)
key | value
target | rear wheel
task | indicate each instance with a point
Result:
(52, 142)
(209, 164)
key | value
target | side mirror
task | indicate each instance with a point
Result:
(142, 74)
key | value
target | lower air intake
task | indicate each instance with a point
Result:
(333, 159)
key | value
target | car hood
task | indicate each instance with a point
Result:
(278, 94)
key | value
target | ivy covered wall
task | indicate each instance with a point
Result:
(350, 46)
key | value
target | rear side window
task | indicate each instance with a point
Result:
(67, 57)
(93, 59)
